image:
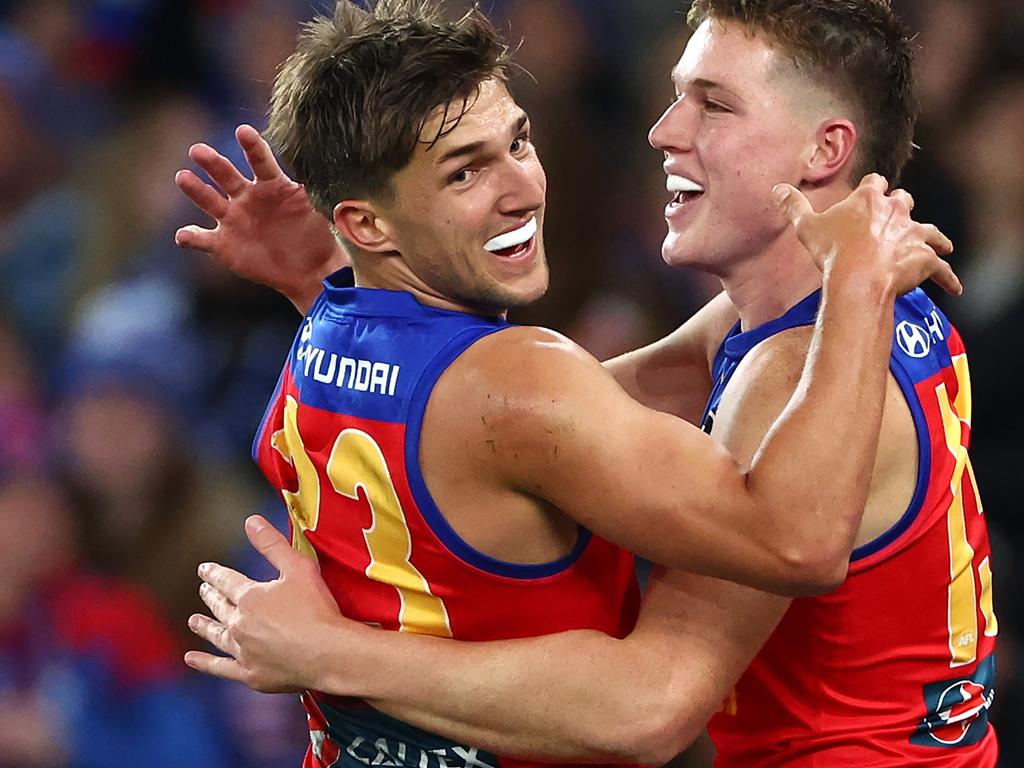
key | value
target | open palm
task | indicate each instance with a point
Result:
(266, 229)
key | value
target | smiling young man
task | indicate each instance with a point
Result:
(438, 463)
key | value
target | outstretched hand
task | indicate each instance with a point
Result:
(272, 632)
(266, 230)
(872, 230)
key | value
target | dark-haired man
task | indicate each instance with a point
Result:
(500, 433)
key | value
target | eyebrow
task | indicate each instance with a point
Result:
(473, 147)
(702, 83)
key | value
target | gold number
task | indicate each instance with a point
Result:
(356, 462)
(962, 600)
(304, 504)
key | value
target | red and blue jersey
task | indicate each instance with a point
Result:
(896, 667)
(340, 441)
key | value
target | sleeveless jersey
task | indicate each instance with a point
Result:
(896, 667)
(340, 441)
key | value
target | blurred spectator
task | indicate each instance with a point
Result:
(89, 673)
(22, 415)
(152, 503)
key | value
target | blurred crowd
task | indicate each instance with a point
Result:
(133, 375)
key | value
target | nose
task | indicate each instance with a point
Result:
(675, 128)
(524, 186)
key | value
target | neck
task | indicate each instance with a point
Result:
(765, 286)
(391, 273)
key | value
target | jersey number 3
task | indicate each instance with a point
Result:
(357, 462)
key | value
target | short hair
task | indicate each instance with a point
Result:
(857, 49)
(349, 106)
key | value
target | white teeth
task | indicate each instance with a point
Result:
(513, 238)
(677, 184)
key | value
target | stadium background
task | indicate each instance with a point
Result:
(132, 374)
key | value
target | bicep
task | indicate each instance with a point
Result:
(645, 480)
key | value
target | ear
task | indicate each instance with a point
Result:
(360, 224)
(834, 143)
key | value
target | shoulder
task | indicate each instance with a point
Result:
(759, 391)
(522, 389)
(775, 365)
(702, 335)
(522, 362)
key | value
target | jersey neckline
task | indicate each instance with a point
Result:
(341, 293)
(739, 343)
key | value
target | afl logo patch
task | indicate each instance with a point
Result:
(913, 339)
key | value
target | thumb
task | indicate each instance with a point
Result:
(269, 542)
(792, 202)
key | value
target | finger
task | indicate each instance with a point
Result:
(195, 237)
(219, 666)
(269, 542)
(258, 154)
(222, 608)
(213, 632)
(792, 202)
(226, 580)
(903, 197)
(206, 198)
(934, 237)
(946, 279)
(875, 181)
(221, 170)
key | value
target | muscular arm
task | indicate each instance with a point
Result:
(646, 697)
(580, 695)
(562, 430)
(591, 697)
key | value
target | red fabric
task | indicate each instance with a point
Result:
(843, 680)
(119, 620)
(598, 591)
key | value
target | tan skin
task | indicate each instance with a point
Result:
(530, 428)
(528, 392)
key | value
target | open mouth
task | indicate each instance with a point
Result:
(514, 243)
(684, 190)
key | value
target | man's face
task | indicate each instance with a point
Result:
(729, 137)
(468, 212)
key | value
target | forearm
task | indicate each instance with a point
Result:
(580, 695)
(812, 470)
(303, 296)
(575, 695)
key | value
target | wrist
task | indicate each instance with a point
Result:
(849, 275)
(347, 653)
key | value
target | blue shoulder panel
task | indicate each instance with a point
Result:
(377, 354)
(918, 352)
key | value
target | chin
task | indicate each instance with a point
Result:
(528, 291)
(676, 252)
